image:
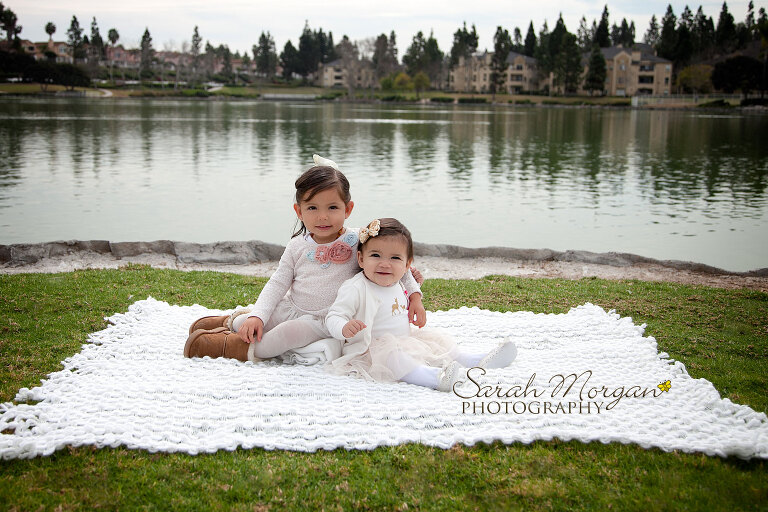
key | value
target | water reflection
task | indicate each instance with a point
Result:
(666, 184)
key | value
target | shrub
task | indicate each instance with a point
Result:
(393, 97)
(715, 104)
(751, 102)
(442, 99)
(473, 100)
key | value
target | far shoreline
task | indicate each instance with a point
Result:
(437, 261)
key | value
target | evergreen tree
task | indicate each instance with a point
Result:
(194, 51)
(602, 34)
(517, 41)
(9, 22)
(652, 35)
(393, 47)
(568, 63)
(668, 40)
(702, 34)
(542, 50)
(464, 44)
(309, 53)
(530, 42)
(502, 45)
(584, 35)
(265, 55)
(383, 61)
(684, 46)
(97, 43)
(725, 33)
(147, 53)
(75, 39)
(290, 60)
(595, 79)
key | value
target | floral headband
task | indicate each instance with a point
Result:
(371, 231)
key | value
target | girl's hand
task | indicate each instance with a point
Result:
(252, 325)
(417, 275)
(352, 327)
(417, 315)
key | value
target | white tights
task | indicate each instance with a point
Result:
(280, 337)
(423, 375)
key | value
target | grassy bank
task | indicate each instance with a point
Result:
(721, 335)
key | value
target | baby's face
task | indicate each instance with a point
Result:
(384, 260)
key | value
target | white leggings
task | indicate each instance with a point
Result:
(286, 329)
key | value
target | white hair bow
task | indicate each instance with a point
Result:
(371, 230)
(325, 161)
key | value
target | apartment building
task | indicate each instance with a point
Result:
(474, 74)
(633, 71)
(335, 74)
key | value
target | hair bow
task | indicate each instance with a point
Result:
(370, 231)
(325, 161)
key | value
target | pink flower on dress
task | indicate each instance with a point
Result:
(321, 254)
(339, 252)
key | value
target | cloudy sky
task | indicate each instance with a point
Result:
(238, 23)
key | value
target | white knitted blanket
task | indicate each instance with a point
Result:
(130, 386)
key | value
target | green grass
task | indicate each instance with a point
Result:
(721, 335)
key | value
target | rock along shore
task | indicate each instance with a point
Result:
(435, 260)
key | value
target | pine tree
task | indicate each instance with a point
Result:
(595, 79)
(75, 39)
(725, 33)
(652, 36)
(194, 50)
(602, 34)
(147, 53)
(530, 42)
(668, 40)
(502, 45)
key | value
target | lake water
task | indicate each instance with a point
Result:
(664, 184)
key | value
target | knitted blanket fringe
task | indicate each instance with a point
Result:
(586, 375)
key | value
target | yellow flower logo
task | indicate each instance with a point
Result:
(664, 386)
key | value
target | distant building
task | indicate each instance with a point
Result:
(336, 75)
(633, 71)
(474, 74)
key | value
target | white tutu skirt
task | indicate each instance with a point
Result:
(389, 357)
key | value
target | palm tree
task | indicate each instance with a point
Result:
(50, 28)
(113, 36)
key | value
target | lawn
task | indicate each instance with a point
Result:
(720, 335)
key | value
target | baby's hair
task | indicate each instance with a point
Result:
(392, 227)
(316, 179)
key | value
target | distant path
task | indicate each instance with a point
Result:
(105, 93)
(217, 88)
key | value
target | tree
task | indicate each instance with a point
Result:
(668, 41)
(290, 61)
(530, 42)
(695, 79)
(12, 29)
(265, 55)
(384, 57)
(147, 53)
(113, 37)
(402, 82)
(602, 34)
(75, 39)
(420, 82)
(350, 61)
(97, 43)
(226, 68)
(738, 73)
(568, 63)
(502, 45)
(584, 35)
(424, 55)
(702, 35)
(725, 33)
(517, 41)
(596, 74)
(50, 29)
(194, 51)
(464, 44)
(652, 36)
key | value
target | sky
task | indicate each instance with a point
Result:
(238, 23)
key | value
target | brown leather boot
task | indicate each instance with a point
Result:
(208, 323)
(216, 343)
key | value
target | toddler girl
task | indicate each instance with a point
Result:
(370, 315)
(290, 311)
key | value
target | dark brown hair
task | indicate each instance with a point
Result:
(316, 179)
(392, 227)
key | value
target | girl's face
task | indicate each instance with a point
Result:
(384, 260)
(324, 214)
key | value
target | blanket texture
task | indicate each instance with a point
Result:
(587, 375)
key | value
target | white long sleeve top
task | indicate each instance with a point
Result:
(313, 273)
